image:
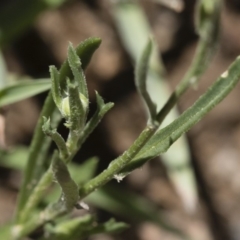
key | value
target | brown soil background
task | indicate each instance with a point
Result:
(214, 142)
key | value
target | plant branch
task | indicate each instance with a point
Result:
(57, 138)
(102, 109)
(85, 51)
(165, 137)
(209, 32)
(37, 193)
(118, 164)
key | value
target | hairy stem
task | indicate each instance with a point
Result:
(118, 164)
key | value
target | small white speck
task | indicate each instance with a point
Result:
(84, 205)
(225, 74)
(193, 80)
(119, 177)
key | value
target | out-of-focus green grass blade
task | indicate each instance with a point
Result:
(19, 15)
(15, 158)
(134, 31)
(82, 173)
(23, 90)
(3, 72)
(130, 206)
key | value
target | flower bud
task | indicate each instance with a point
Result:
(65, 107)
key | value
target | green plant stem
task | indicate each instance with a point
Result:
(38, 191)
(56, 137)
(205, 50)
(36, 195)
(118, 164)
(35, 162)
(93, 122)
(115, 167)
(36, 150)
(21, 230)
(44, 157)
(165, 137)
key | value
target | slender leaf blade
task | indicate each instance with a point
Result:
(23, 90)
(15, 158)
(3, 72)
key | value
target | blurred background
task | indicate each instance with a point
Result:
(201, 197)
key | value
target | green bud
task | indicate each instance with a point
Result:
(65, 107)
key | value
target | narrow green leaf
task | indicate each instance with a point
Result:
(100, 101)
(77, 112)
(84, 51)
(81, 173)
(68, 186)
(141, 79)
(56, 92)
(209, 32)
(164, 138)
(23, 90)
(3, 72)
(102, 109)
(207, 12)
(75, 65)
(56, 137)
(15, 158)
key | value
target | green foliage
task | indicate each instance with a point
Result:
(39, 146)
(131, 21)
(24, 89)
(82, 227)
(69, 100)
